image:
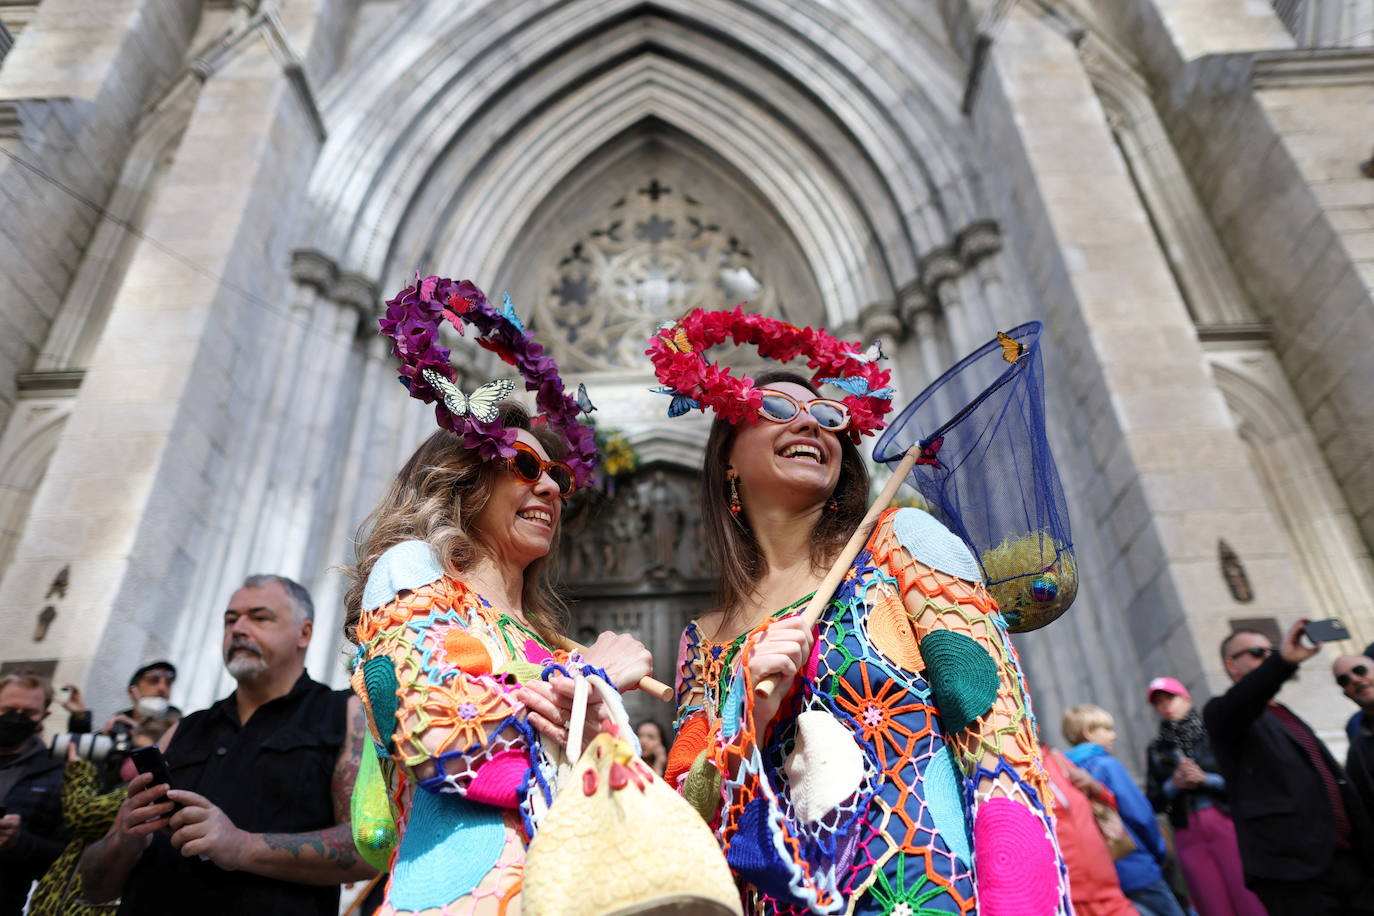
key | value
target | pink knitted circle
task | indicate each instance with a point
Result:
(1014, 861)
(499, 780)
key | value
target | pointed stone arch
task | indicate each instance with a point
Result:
(860, 144)
(1325, 543)
(27, 446)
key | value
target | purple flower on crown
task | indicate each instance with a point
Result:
(412, 321)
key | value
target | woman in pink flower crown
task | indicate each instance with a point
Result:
(459, 637)
(895, 768)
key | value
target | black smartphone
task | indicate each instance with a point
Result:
(150, 760)
(1329, 630)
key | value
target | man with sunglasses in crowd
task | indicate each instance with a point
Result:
(1355, 676)
(1306, 843)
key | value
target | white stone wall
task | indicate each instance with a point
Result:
(71, 90)
(1155, 469)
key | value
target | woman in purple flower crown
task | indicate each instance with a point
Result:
(454, 621)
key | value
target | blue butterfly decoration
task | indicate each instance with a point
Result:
(508, 313)
(584, 403)
(857, 384)
(681, 403)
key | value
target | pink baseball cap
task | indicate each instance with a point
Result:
(1167, 685)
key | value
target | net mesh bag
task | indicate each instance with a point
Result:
(986, 471)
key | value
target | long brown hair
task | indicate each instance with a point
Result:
(434, 498)
(728, 538)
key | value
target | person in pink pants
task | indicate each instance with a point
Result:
(1182, 778)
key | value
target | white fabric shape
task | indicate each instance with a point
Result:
(405, 567)
(935, 545)
(825, 767)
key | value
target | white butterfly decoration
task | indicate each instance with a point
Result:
(872, 354)
(481, 404)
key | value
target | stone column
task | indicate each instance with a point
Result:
(129, 494)
(72, 90)
(1155, 469)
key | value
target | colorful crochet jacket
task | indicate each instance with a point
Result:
(437, 670)
(902, 773)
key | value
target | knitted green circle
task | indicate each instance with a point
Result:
(962, 676)
(379, 676)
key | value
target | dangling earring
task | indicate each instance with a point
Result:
(734, 494)
(831, 505)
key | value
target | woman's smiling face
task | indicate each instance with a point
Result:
(791, 466)
(519, 520)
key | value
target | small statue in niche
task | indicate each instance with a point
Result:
(1234, 574)
(59, 584)
(45, 619)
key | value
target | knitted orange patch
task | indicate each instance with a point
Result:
(889, 629)
(691, 740)
(466, 652)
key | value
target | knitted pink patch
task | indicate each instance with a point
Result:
(536, 654)
(813, 664)
(499, 780)
(1014, 861)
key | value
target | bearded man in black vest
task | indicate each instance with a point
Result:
(257, 817)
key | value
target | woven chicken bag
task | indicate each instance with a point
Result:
(617, 839)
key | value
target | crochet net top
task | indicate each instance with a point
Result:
(902, 773)
(437, 671)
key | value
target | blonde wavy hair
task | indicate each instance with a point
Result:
(434, 498)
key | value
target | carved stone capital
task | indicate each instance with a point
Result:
(880, 319)
(939, 266)
(359, 292)
(311, 268)
(913, 300)
(979, 240)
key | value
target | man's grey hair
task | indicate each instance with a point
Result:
(300, 598)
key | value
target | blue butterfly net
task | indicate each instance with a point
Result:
(986, 471)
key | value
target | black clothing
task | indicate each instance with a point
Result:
(1162, 758)
(1359, 762)
(1345, 888)
(36, 796)
(1284, 822)
(272, 775)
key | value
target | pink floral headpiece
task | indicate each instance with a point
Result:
(412, 322)
(678, 351)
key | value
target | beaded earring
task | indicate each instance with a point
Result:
(734, 494)
(831, 505)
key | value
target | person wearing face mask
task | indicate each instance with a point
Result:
(31, 831)
(150, 689)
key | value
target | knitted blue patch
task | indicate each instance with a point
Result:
(935, 545)
(379, 680)
(449, 846)
(752, 855)
(407, 565)
(944, 792)
(732, 707)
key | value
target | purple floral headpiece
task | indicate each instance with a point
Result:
(412, 322)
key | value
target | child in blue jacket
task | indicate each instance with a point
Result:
(1091, 731)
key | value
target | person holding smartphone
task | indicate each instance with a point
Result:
(1306, 842)
(251, 814)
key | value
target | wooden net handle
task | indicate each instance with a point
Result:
(816, 606)
(653, 688)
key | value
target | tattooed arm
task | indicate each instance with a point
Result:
(318, 857)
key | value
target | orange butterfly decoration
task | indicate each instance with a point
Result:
(1012, 349)
(678, 342)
